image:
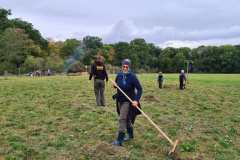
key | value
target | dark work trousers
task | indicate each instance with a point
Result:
(99, 87)
(181, 85)
(160, 84)
(124, 122)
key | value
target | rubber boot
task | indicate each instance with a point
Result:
(129, 135)
(119, 140)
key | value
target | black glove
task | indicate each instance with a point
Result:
(115, 96)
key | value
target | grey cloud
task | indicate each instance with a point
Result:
(157, 21)
(125, 30)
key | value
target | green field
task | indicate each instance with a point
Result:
(56, 118)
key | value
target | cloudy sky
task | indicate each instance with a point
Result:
(162, 22)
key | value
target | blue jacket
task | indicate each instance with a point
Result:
(129, 83)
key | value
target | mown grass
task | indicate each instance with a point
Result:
(56, 118)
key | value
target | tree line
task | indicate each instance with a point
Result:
(22, 48)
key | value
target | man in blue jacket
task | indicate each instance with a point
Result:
(127, 111)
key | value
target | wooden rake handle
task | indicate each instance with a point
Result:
(174, 144)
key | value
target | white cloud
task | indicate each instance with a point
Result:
(195, 44)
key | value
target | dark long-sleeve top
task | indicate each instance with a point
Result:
(98, 71)
(182, 78)
(160, 78)
(129, 83)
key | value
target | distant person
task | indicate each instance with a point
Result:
(127, 111)
(182, 80)
(98, 71)
(49, 72)
(38, 73)
(160, 80)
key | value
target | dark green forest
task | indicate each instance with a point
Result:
(23, 49)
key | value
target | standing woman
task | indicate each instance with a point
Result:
(127, 111)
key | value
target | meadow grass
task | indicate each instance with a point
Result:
(57, 118)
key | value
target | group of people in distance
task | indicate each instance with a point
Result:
(182, 80)
(128, 82)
